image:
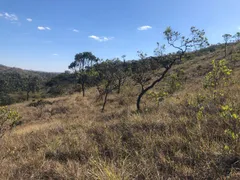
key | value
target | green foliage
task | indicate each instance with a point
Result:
(8, 119)
(5, 99)
(207, 109)
(108, 72)
(226, 37)
(175, 80)
(219, 76)
(31, 84)
(14, 81)
(82, 66)
(142, 72)
(158, 96)
(237, 36)
(197, 39)
(235, 57)
(172, 84)
(62, 83)
(220, 106)
(232, 119)
(182, 44)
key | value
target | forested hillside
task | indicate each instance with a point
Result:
(16, 83)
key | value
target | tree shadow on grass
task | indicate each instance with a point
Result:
(63, 157)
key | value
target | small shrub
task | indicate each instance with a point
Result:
(8, 119)
(219, 76)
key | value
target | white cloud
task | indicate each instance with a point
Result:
(41, 28)
(144, 28)
(94, 37)
(55, 54)
(75, 30)
(10, 17)
(29, 19)
(101, 39)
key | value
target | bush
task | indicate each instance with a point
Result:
(8, 119)
(5, 99)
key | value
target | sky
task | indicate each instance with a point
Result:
(45, 35)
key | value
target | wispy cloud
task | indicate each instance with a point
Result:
(29, 19)
(42, 28)
(55, 54)
(101, 39)
(144, 28)
(10, 17)
(75, 30)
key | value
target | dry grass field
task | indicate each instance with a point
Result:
(184, 137)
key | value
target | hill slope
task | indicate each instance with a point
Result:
(6, 69)
(13, 82)
(191, 134)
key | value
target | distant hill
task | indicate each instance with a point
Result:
(13, 83)
(6, 69)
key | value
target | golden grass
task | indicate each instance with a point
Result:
(30, 128)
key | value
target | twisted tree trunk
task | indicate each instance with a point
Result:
(144, 90)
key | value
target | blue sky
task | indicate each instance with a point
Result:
(46, 34)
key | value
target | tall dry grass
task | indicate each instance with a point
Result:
(69, 138)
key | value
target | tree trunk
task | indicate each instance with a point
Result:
(119, 86)
(225, 50)
(154, 83)
(139, 100)
(83, 89)
(107, 91)
(105, 101)
(27, 95)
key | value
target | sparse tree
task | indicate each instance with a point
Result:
(142, 70)
(124, 58)
(122, 71)
(107, 71)
(82, 66)
(226, 38)
(31, 85)
(182, 45)
(237, 36)
(234, 49)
